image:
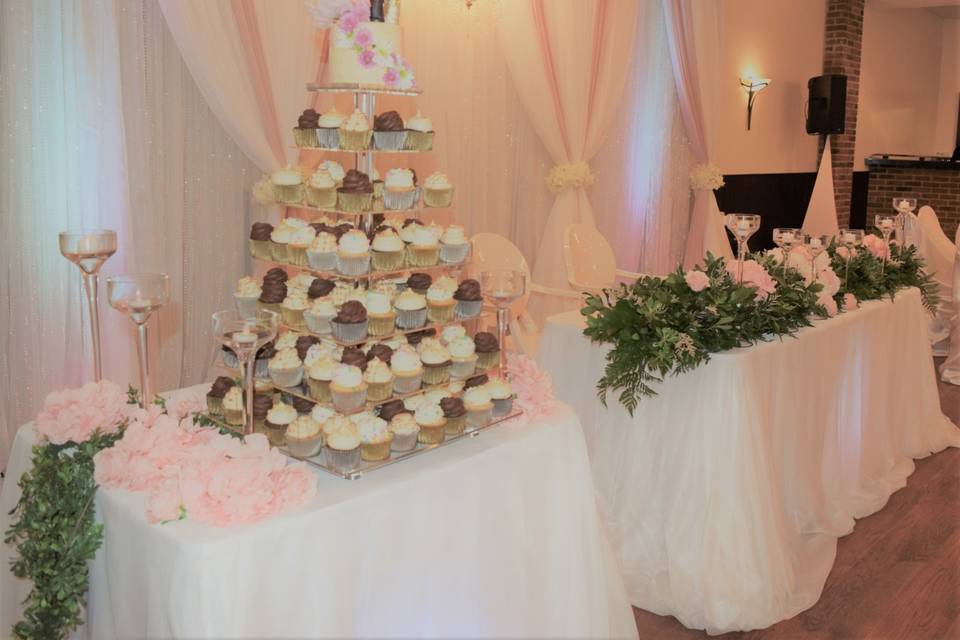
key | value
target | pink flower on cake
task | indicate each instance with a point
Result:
(827, 302)
(367, 58)
(363, 38)
(876, 246)
(696, 280)
(390, 77)
(75, 414)
(754, 275)
(849, 302)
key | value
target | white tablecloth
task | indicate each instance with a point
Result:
(724, 495)
(492, 536)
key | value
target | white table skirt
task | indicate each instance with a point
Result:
(493, 536)
(724, 495)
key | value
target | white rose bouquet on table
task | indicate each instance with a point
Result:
(706, 176)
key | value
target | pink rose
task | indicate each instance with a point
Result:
(876, 246)
(849, 302)
(696, 280)
(827, 302)
(75, 414)
(367, 58)
(363, 38)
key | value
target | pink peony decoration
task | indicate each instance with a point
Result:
(390, 77)
(830, 281)
(73, 415)
(754, 275)
(696, 280)
(367, 58)
(532, 386)
(827, 302)
(183, 404)
(845, 252)
(363, 38)
(849, 302)
(876, 246)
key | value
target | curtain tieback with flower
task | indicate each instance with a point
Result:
(706, 176)
(576, 175)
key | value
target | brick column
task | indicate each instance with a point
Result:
(841, 55)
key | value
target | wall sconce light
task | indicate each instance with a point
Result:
(753, 87)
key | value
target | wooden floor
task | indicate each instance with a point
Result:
(897, 576)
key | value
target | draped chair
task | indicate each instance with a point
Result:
(939, 253)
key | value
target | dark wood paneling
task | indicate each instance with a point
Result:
(858, 200)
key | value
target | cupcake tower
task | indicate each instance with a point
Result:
(379, 356)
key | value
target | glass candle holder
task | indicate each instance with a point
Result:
(742, 226)
(903, 207)
(815, 244)
(886, 224)
(245, 335)
(851, 239)
(786, 238)
(501, 288)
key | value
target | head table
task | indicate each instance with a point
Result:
(493, 536)
(725, 494)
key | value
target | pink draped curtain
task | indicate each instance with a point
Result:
(693, 34)
(566, 58)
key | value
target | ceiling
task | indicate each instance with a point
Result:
(947, 9)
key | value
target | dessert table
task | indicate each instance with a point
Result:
(724, 495)
(493, 536)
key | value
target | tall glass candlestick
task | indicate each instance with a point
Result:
(787, 239)
(89, 250)
(815, 244)
(139, 296)
(742, 226)
(245, 335)
(501, 287)
(851, 239)
(886, 224)
(903, 207)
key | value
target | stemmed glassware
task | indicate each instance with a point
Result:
(742, 226)
(851, 239)
(501, 287)
(886, 224)
(139, 296)
(245, 335)
(89, 250)
(903, 207)
(815, 244)
(787, 239)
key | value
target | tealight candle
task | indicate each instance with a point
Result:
(815, 242)
(886, 224)
(787, 236)
(743, 225)
(245, 337)
(849, 238)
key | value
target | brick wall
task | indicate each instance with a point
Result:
(939, 188)
(841, 55)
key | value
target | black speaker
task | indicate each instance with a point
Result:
(827, 104)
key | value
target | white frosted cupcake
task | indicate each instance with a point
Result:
(353, 253)
(292, 308)
(407, 370)
(287, 185)
(304, 437)
(233, 406)
(342, 450)
(286, 368)
(278, 419)
(348, 389)
(411, 310)
(463, 357)
(479, 406)
(387, 251)
(319, 315)
(375, 438)
(440, 303)
(246, 296)
(424, 248)
(454, 246)
(335, 169)
(432, 422)
(437, 191)
(436, 361)
(405, 430)
(380, 314)
(451, 333)
(300, 241)
(355, 132)
(322, 254)
(419, 133)
(322, 190)
(501, 394)
(399, 191)
(379, 380)
(319, 376)
(328, 129)
(279, 242)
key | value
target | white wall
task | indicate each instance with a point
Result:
(946, 131)
(781, 40)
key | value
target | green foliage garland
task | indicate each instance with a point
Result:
(870, 279)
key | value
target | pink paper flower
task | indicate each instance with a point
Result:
(876, 246)
(696, 280)
(827, 302)
(532, 386)
(754, 275)
(363, 38)
(367, 58)
(849, 302)
(390, 77)
(75, 414)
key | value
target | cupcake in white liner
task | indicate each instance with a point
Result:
(501, 394)
(260, 240)
(388, 131)
(328, 129)
(419, 133)
(436, 361)
(424, 248)
(479, 406)
(411, 310)
(286, 368)
(355, 132)
(280, 416)
(321, 190)
(233, 406)
(432, 423)
(463, 357)
(379, 380)
(440, 304)
(454, 245)
(387, 251)
(319, 376)
(287, 185)
(488, 350)
(399, 190)
(456, 414)
(380, 314)
(375, 438)
(350, 324)
(348, 390)
(292, 310)
(405, 431)
(342, 449)
(322, 254)
(319, 315)
(353, 253)
(407, 370)
(246, 296)
(469, 299)
(437, 191)
(304, 437)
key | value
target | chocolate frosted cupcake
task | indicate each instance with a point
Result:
(215, 396)
(469, 299)
(260, 240)
(302, 405)
(476, 381)
(304, 343)
(350, 323)
(381, 351)
(305, 133)
(419, 282)
(320, 287)
(488, 351)
(456, 415)
(276, 274)
(272, 295)
(417, 337)
(391, 409)
(388, 131)
(356, 194)
(262, 403)
(354, 356)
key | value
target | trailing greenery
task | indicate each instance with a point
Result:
(56, 535)
(661, 326)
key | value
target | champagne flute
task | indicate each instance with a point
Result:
(245, 335)
(89, 250)
(742, 226)
(501, 287)
(851, 239)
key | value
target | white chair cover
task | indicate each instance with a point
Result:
(938, 252)
(950, 369)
